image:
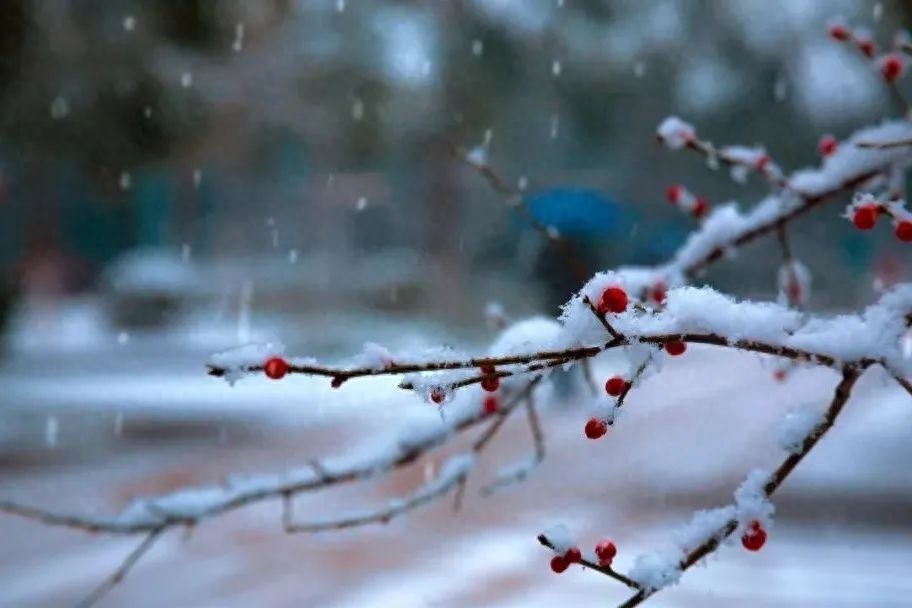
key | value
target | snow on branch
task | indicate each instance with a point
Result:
(189, 506)
(677, 134)
(750, 514)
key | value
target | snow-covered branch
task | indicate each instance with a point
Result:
(189, 506)
(654, 572)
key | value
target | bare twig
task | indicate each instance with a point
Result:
(521, 472)
(628, 386)
(904, 382)
(118, 575)
(788, 261)
(588, 377)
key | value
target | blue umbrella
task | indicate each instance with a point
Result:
(579, 212)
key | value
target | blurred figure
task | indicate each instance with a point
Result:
(591, 222)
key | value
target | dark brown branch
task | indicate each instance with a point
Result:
(602, 319)
(546, 359)
(343, 374)
(628, 386)
(884, 145)
(904, 382)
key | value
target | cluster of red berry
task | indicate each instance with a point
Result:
(614, 300)
(865, 217)
(892, 65)
(604, 551)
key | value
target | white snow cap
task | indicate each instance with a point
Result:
(675, 133)
(236, 361)
(560, 538)
(525, 336)
(752, 503)
(796, 425)
(656, 570)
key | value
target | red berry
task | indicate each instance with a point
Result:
(488, 369)
(573, 555)
(779, 375)
(839, 32)
(793, 290)
(490, 405)
(438, 395)
(827, 145)
(659, 291)
(762, 162)
(700, 208)
(490, 383)
(559, 564)
(673, 193)
(596, 428)
(614, 299)
(675, 348)
(754, 538)
(605, 551)
(615, 386)
(275, 368)
(865, 217)
(891, 67)
(904, 231)
(867, 47)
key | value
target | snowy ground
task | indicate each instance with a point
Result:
(143, 418)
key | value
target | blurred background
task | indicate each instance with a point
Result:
(178, 177)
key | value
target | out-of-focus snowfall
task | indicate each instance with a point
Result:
(178, 178)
